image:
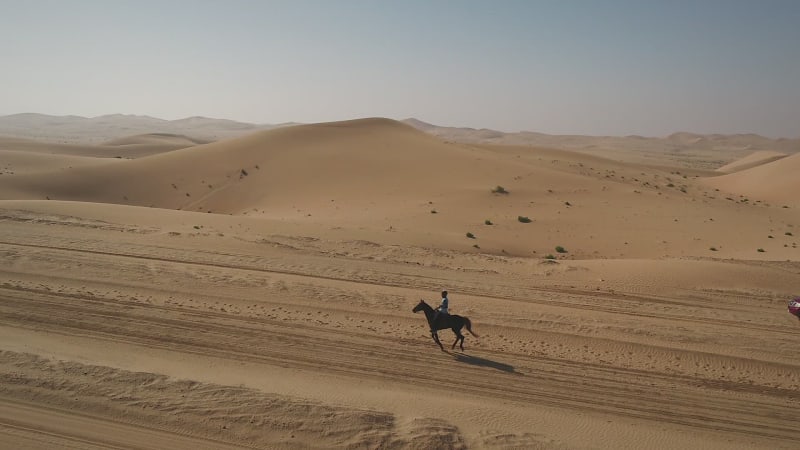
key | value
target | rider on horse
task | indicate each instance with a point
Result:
(441, 310)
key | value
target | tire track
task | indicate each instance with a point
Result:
(404, 281)
(560, 384)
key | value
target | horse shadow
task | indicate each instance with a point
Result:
(483, 362)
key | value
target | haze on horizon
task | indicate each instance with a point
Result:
(612, 68)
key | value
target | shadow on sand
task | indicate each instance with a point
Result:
(482, 362)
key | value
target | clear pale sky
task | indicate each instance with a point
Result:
(562, 67)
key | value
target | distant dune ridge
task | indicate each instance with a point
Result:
(96, 130)
(688, 150)
(129, 147)
(158, 138)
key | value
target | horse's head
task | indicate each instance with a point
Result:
(419, 306)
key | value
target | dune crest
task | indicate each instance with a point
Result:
(775, 181)
(177, 140)
(752, 160)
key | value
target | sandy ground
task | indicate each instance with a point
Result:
(284, 321)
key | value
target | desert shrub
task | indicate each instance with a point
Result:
(549, 257)
(761, 250)
(470, 235)
(560, 249)
(499, 190)
(433, 211)
(713, 249)
(524, 219)
(487, 222)
(788, 233)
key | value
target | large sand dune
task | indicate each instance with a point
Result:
(776, 181)
(257, 292)
(752, 160)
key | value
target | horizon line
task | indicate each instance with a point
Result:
(257, 124)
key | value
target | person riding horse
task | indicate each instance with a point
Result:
(444, 321)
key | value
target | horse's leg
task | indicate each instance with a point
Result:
(459, 337)
(435, 337)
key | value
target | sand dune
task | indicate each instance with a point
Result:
(23, 162)
(368, 158)
(257, 292)
(96, 130)
(129, 147)
(680, 150)
(381, 174)
(361, 161)
(176, 140)
(752, 160)
(775, 181)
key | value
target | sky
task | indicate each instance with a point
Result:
(643, 67)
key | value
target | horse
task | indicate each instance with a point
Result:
(452, 321)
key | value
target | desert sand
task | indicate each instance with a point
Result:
(165, 291)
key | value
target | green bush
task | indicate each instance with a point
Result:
(560, 249)
(524, 219)
(499, 190)
(488, 222)
(470, 235)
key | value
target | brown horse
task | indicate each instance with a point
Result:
(452, 321)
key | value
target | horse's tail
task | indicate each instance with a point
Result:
(469, 327)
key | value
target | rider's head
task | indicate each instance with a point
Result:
(444, 294)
